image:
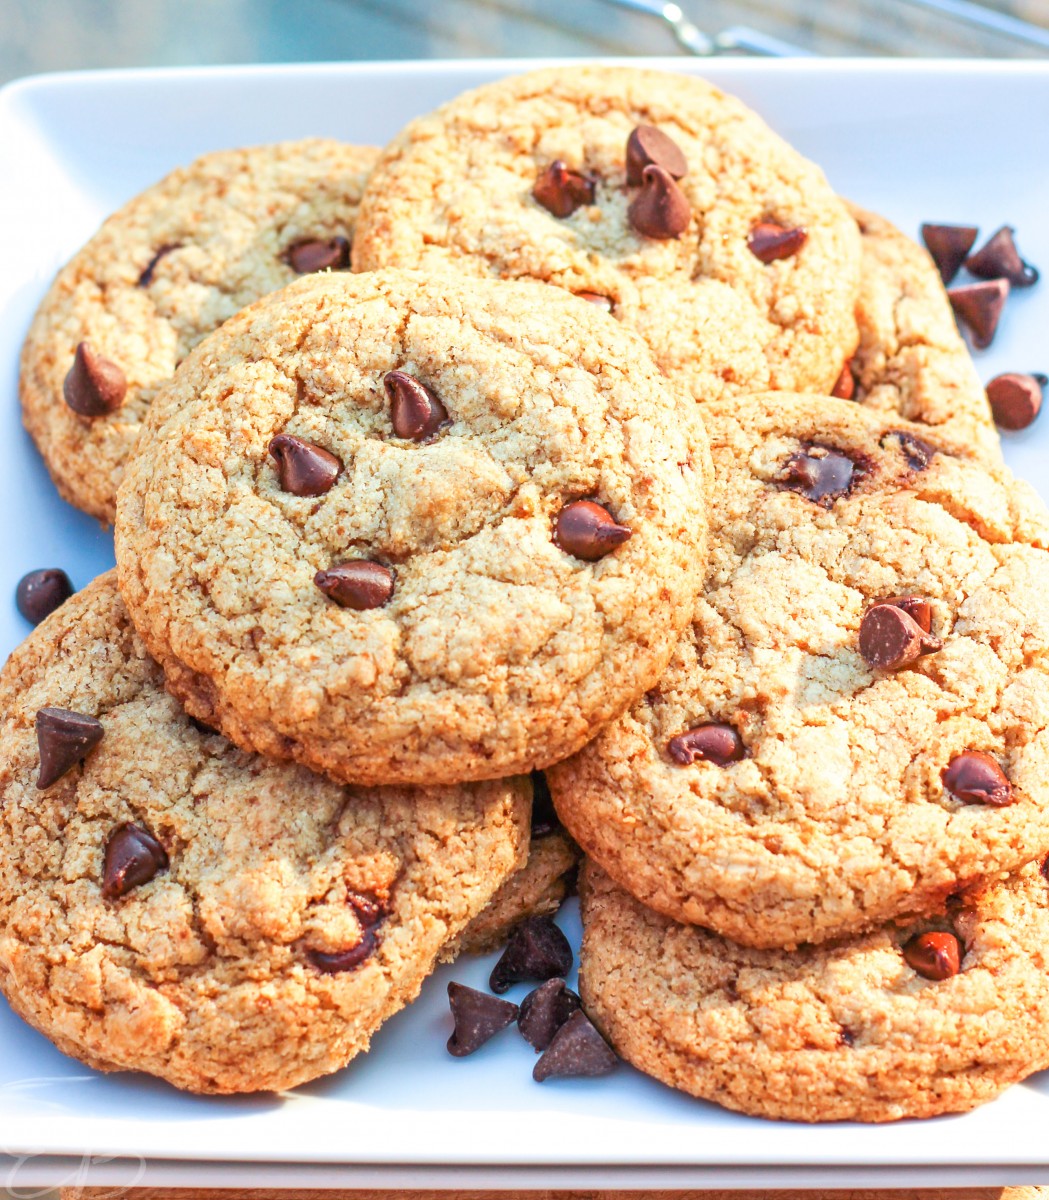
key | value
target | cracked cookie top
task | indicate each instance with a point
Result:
(856, 721)
(162, 273)
(410, 528)
(175, 905)
(653, 193)
(864, 1029)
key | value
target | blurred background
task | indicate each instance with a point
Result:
(53, 35)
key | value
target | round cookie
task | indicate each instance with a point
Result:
(160, 274)
(457, 189)
(775, 786)
(845, 1031)
(469, 596)
(177, 906)
(911, 359)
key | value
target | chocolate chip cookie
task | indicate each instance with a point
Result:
(407, 528)
(654, 195)
(875, 1028)
(160, 274)
(911, 359)
(171, 904)
(856, 722)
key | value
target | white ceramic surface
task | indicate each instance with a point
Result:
(939, 141)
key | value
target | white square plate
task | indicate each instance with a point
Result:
(965, 142)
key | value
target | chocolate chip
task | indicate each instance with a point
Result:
(715, 743)
(587, 530)
(133, 857)
(845, 387)
(1015, 399)
(890, 638)
(647, 146)
(39, 593)
(935, 955)
(916, 607)
(369, 913)
(537, 949)
(544, 816)
(577, 1050)
(998, 258)
(545, 1010)
(361, 584)
(415, 411)
(561, 191)
(770, 241)
(948, 245)
(661, 209)
(477, 1017)
(979, 307)
(917, 452)
(318, 254)
(821, 474)
(146, 278)
(303, 468)
(976, 778)
(94, 386)
(596, 298)
(64, 739)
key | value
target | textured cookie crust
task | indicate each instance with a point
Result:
(455, 189)
(537, 890)
(498, 652)
(836, 819)
(230, 218)
(845, 1031)
(911, 359)
(202, 975)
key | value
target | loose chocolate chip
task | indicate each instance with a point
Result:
(916, 607)
(561, 191)
(415, 412)
(545, 1010)
(596, 298)
(647, 146)
(917, 452)
(845, 388)
(537, 949)
(361, 584)
(715, 743)
(890, 638)
(979, 307)
(303, 468)
(64, 739)
(821, 474)
(935, 955)
(344, 960)
(544, 817)
(587, 530)
(477, 1017)
(1015, 399)
(661, 209)
(948, 245)
(318, 254)
(976, 778)
(133, 857)
(577, 1050)
(770, 241)
(146, 278)
(39, 593)
(94, 386)
(998, 258)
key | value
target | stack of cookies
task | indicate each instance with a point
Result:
(583, 431)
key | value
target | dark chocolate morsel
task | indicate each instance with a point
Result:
(821, 474)
(133, 857)
(916, 607)
(979, 307)
(415, 411)
(715, 743)
(661, 209)
(537, 950)
(146, 278)
(948, 245)
(976, 778)
(94, 386)
(477, 1017)
(647, 146)
(891, 638)
(360, 584)
(561, 191)
(1015, 399)
(588, 531)
(936, 955)
(769, 241)
(64, 739)
(545, 1010)
(318, 254)
(369, 913)
(39, 593)
(999, 258)
(303, 468)
(577, 1050)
